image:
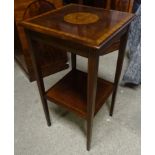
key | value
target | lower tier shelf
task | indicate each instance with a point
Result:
(71, 92)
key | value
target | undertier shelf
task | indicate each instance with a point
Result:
(71, 92)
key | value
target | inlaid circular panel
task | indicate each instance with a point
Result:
(81, 18)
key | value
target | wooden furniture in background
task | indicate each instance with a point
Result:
(121, 5)
(80, 92)
(51, 59)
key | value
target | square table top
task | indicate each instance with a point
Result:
(83, 24)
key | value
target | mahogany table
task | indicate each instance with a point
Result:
(84, 31)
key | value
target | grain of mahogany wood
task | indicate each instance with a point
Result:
(27, 9)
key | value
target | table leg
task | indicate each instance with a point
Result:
(73, 59)
(39, 79)
(93, 62)
(120, 59)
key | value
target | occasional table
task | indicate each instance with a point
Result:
(84, 31)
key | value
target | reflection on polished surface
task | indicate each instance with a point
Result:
(91, 34)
